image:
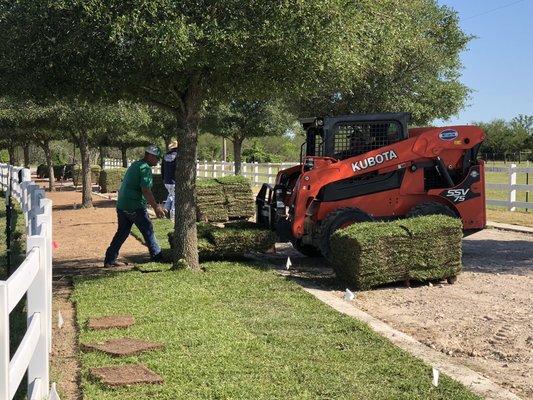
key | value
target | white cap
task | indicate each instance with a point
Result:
(154, 150)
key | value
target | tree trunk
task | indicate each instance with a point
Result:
(237, 153)
(49, 165)
(167, 143)
(12, 155)
(185, 236)
(86, 184)
(26, 150)
(101, 156)
(124, 153)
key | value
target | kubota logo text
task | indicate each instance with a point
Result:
(375, 160)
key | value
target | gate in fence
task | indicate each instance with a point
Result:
(33, 279)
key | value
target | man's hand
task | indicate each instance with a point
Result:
(160, 212)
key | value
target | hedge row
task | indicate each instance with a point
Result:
(42, 171)
(110, 179)
(76, 174)
(232, 241)
(369, 254)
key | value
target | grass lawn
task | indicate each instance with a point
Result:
(239, 331)
(510, 217)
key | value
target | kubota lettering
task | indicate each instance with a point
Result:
(374, 160)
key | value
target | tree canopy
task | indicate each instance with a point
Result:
(238, 120)
(179, 54)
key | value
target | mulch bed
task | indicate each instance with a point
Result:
(123, 346)
(125, 375)
(110, 322)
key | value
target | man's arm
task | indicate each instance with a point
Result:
(149, 196)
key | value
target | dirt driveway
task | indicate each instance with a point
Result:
(485, 319)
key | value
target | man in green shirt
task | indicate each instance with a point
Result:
(134, 195)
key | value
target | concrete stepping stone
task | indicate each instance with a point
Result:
(111, 321)
(125, 375)
(123, 347)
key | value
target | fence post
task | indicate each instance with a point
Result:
(269, 172)
(256, 174)
(512, 189)
(38, 366)
(4, 343)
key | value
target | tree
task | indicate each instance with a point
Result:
(238, 120)
(127, 127)
(179, 54)
(411, 63)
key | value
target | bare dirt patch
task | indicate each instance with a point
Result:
(484, 320)
(125, 375)
(123, 346)
(110, 322)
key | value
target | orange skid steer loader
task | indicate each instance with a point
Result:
(372, 167)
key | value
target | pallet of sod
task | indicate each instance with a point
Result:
(238, 195)
(158, 188)
(210, 201)
(110, 179)
(365, 255)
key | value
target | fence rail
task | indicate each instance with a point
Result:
(32, 278)
(267, 172)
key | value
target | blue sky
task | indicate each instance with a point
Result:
(498, 65)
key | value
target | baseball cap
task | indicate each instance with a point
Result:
(154, 150)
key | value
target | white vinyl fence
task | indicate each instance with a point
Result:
(511, 187)
(260, 173)
(32, 278)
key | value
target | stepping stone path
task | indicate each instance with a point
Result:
(125, 375)
(123, 347)
(110, 322)
(121, 375)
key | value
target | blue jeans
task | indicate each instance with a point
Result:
(126, 219)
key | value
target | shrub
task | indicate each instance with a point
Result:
(370, 254)
(76, 174)
(110, 179)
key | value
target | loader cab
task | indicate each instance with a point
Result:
(350, 135)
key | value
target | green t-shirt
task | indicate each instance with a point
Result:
(130, 196)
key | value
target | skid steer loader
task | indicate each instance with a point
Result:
(368, 167)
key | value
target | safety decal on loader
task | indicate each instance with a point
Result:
(374, 160)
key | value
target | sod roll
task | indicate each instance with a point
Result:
(369, 254)
(110, 179)
(232, 241)
(158, 189)
(210, 201)
(76, 174)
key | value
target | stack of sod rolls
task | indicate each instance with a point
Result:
(76, 174)
(232, 241)
(158, 188)
(369, 254)
(110, 179)
(238, 194)
(210, 201)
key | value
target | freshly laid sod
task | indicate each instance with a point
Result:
(237, 331)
